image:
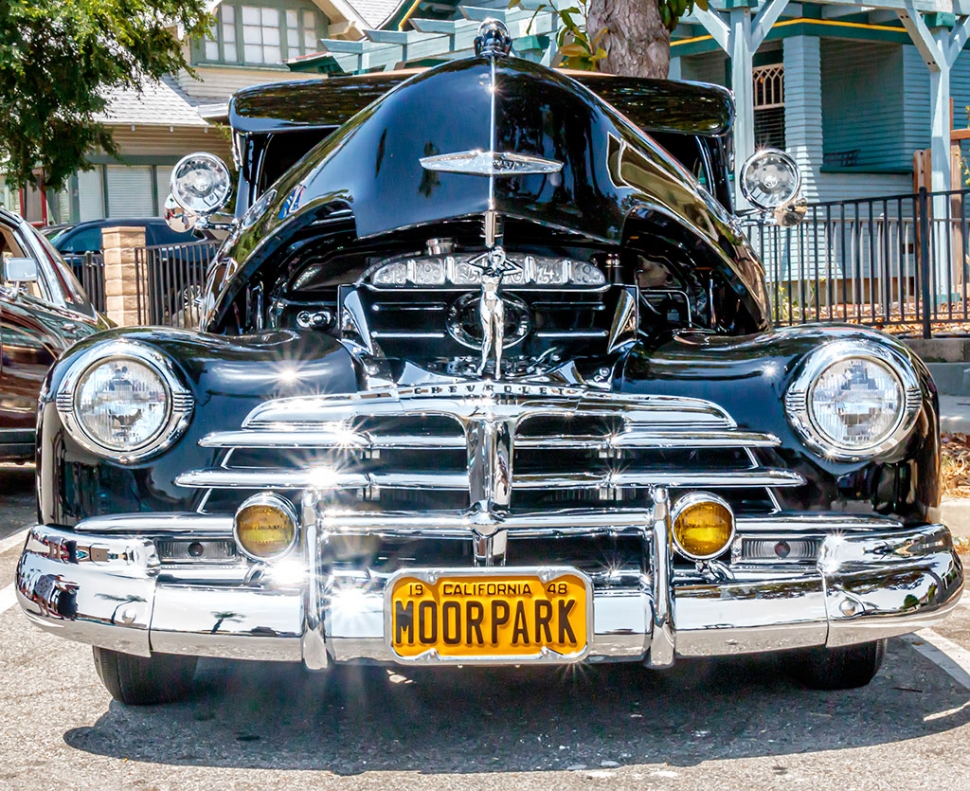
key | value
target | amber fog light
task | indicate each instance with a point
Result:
(265, 527)
(703, 526)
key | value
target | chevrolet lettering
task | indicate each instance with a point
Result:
(485, 374)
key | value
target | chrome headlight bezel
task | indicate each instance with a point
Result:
(759, 196)
(798, 405)
(180, 400)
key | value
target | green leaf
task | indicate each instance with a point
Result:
(574, 50)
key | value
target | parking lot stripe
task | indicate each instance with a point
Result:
(7, 598)
(949, 656)
(14, 541)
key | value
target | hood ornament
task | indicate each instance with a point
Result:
(493, 38)
(491, 163)
(494, 266)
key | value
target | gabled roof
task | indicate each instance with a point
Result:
(359, 14)
(159, 104)
(377, 12)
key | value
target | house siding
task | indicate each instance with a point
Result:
(169, 144)
(862, 105)
(218, 83)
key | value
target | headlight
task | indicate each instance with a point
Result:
(770, 178)
(123, 400)
(854, 400)
(121, 404)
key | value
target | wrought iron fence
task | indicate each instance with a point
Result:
(170, 281)
(89, 269)
(900, 263)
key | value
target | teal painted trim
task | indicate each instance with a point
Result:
(319, 64)
(695, 48)
(940, 20)
(829, 31)
(527, 43)
(730, 4)
(874, 169)
(802, 29)
(769, 58)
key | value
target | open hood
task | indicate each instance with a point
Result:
(404, 161)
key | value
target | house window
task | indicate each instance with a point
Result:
(261, 35)
(222, 45)
(769, 106)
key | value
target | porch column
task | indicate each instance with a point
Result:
(803, 108)
(123, 280)
(742, 65)
(939, 38)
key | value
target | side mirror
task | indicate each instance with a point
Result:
(19, 270)
(770, 180)
(201, 186)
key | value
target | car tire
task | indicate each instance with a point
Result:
(145, 681)
(847, 667)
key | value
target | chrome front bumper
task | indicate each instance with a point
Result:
(109, 589)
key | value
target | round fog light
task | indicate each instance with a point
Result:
(703, 526)
(265, 527)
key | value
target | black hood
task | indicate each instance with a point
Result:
(609, 168)
(609, 171)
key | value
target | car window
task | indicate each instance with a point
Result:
(83, 241)
(10, 247)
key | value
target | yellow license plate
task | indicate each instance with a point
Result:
(490, 616)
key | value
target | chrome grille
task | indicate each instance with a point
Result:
(483, 442)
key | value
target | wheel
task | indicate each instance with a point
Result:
(145, 681)
(847, 667)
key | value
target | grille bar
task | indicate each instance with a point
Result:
(327, 439)
(693, 478)
(639, 438)
(480, 399)
(324, 479)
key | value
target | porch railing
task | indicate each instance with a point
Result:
(170, 281)
(900, 263)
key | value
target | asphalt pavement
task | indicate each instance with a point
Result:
(725, 724)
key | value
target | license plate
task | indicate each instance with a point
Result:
(498, 617)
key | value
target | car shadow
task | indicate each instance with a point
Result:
(448, 720)
(17, 497)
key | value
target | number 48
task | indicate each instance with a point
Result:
(557, 589)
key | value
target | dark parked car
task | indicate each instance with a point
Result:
(53, 231)
(85, 237)
(43, 311)
(486, 377)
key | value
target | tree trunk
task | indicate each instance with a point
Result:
(637, 44)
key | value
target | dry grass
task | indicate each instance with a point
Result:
(955, 465)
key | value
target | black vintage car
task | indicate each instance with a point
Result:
(43, 311)
(486, 375)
